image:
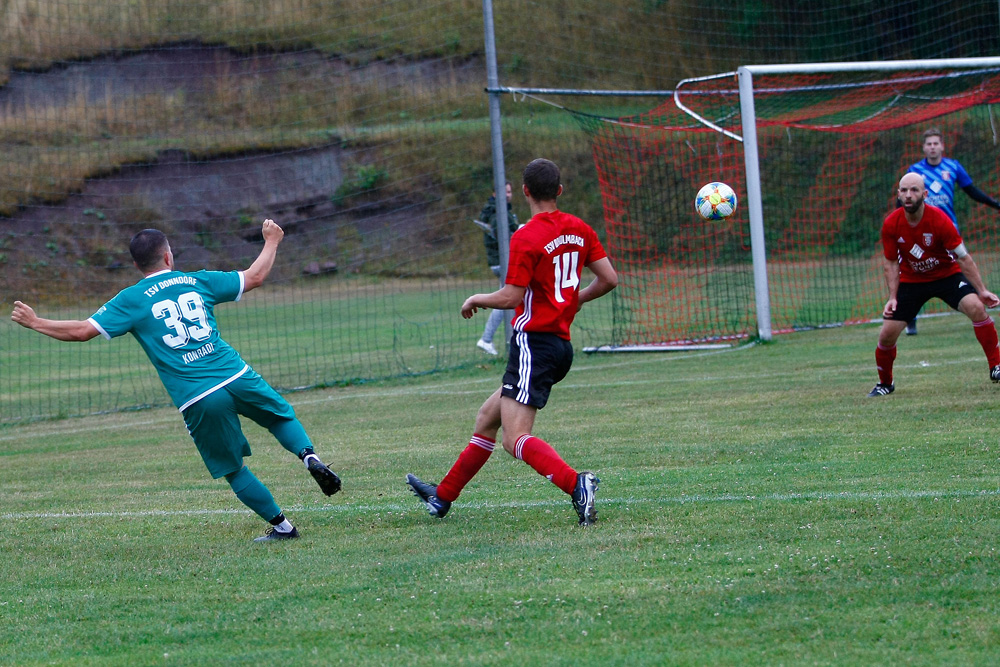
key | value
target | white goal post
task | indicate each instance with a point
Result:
(754, 200)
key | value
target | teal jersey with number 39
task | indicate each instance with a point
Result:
(171, 314)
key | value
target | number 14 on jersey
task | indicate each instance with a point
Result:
(567, 274)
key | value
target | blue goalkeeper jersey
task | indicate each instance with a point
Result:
(940, 181)
(171, 314)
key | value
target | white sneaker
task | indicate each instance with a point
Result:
(486, 347)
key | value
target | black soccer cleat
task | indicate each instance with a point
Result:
(428, 494)
(885, 389)
(583, 497)
(328, 481)
(995, 373)
(273, 535)
(911, 327)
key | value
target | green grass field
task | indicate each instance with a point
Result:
(755, 508)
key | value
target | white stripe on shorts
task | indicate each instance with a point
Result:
(523, 368)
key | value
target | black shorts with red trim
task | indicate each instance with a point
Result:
(536, 362)
(911, 297)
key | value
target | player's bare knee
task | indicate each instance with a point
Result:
(974, 310)
(890, 333)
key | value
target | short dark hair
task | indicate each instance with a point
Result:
(932, 132)
(541, 177)
(147, 248)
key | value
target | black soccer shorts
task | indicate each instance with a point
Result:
(911, 297)
(536, 362)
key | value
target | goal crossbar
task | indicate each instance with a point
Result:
(872, 66)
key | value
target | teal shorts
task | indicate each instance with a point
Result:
(214, 421)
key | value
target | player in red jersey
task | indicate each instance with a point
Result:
(924, 257)
(547, 256)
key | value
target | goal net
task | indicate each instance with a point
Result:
(831, 148)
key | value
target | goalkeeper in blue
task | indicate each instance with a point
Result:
(171, 314)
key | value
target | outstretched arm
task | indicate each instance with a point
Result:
(67, 330)
(254, 276)
(606, 280)
(978, 195)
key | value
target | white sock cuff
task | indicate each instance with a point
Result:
(480, 441)
(519, 446)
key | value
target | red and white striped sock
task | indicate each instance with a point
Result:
(546, 461)
(472, 458)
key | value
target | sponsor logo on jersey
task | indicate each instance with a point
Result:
(926, 266)
(917, 251)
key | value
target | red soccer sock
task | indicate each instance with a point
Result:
(883, 362)
(546, 461)
(468, 464)
(986, 334)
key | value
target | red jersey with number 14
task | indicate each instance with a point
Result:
(922, 251)
(547, 256)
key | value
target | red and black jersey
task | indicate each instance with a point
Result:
(922, 250)
(547, 256)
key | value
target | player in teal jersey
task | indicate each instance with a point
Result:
(171, 314)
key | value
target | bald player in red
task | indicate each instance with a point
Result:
(923, 258)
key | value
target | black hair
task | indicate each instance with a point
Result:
(541, 177)
(147, 248)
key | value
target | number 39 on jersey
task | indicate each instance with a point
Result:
(186, 317)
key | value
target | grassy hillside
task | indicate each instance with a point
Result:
(395, 85)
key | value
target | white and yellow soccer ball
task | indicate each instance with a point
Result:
(715, 201)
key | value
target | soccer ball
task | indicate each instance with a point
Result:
(715, 201)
